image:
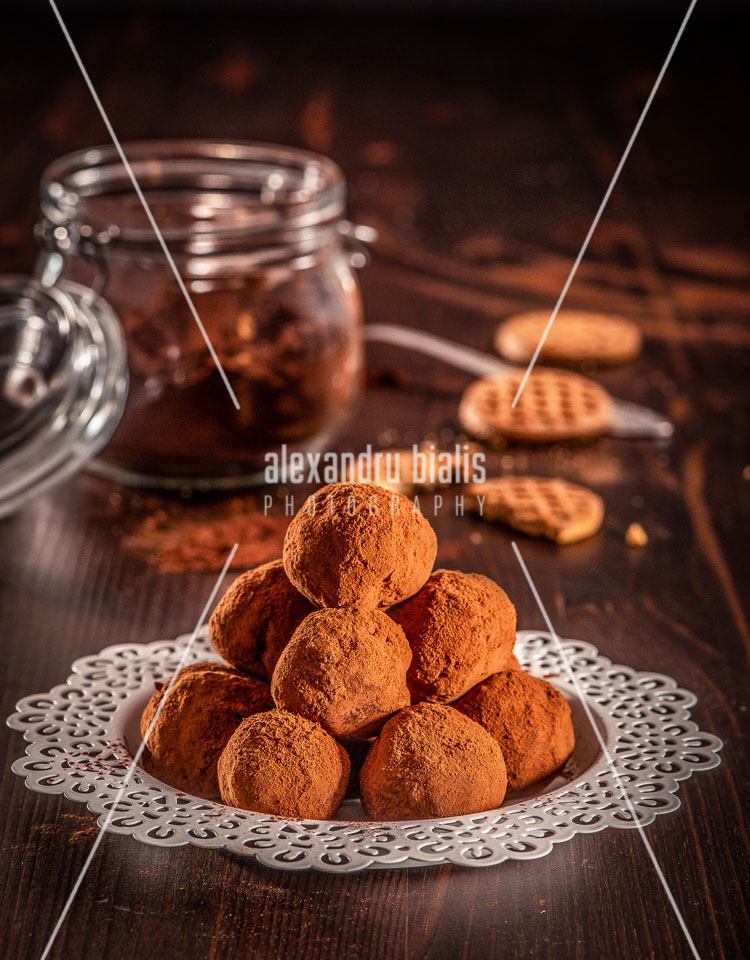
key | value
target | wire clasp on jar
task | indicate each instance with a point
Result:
(357, 238)
(58, 241)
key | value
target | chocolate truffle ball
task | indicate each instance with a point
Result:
(356, 543)
(256, 618)
(513, 663)
(345, 669)
(205, 705)
(431, 761)
(279, 763)
(461, 628)
(530, 720)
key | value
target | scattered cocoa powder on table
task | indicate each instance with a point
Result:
(179, 537)
(87, 829)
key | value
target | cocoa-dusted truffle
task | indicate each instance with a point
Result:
(346, 669)
(256, 618)
(356, 543)
(529, 718)
(431, 761)
(461, 627)
(279, 763)
(513, 663)
(206, 703)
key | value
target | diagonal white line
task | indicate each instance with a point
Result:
(610, 762)
(144, 203)
(605, 200)
(136, 759)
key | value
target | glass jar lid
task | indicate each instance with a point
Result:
(63, 383)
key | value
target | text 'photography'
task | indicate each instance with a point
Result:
(374, 464)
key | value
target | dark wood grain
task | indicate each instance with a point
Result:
(481, 149)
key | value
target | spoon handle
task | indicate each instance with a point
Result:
(465, 358)
(628, 419)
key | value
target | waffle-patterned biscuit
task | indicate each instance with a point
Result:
(574, 338)
(560, 511)
(554, 405)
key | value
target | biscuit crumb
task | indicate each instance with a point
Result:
(636, 536)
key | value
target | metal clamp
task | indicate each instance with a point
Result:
(357, 239)
(60, 240)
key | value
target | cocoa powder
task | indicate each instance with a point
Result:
(431, 761)
(292, 360)
(205, 705)
(177, 537)
(530, 720)
(349, 670)
(256, 618)
(356, 543)
(461, 627)
(282, 764)
(346, 669)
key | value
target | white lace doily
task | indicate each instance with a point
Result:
(80, 735)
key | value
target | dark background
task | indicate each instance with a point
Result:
(480, 146)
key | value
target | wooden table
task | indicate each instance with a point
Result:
(481, 149)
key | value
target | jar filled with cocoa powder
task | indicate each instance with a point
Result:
(258, 235)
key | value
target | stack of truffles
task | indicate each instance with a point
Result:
(351, 647)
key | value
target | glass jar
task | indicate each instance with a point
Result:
(63, 384)
(258, 235)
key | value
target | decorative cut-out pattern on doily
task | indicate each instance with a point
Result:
(77, 746)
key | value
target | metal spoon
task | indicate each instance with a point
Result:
(628, 419)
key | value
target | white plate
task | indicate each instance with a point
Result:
(80, 735)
